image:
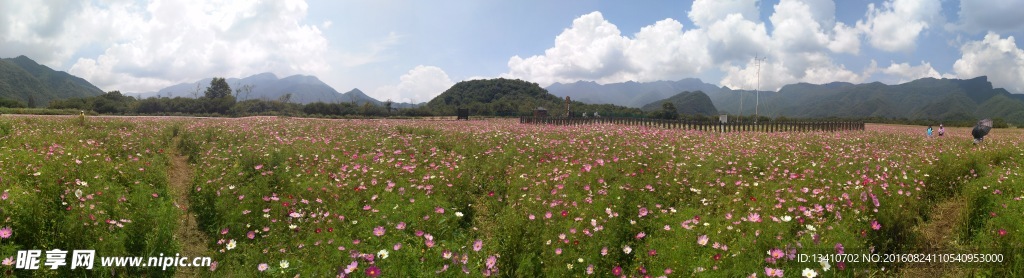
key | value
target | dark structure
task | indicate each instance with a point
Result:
(463, 114)
(540, 112)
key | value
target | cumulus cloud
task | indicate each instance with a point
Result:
(706, 12)
(728, 36)
(145, 46)
(998, 58)
(994, 15)
(896, 25)
(420, 84)
(906, 73)
(592, 49)
(38, 29)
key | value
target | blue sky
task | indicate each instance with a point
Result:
(414, 50)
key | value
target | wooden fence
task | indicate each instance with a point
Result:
(702, 125)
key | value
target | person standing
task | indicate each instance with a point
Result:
(929, 131)
(941, 130)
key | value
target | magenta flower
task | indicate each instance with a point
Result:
(875, 225)
(374, 271)
(378, 231)
(477, 245)
(754, 217)
(250, 235)
(617, 270)
(6, 232)
(491, 262)
(643, 212)
(772, 272)
(400, 226)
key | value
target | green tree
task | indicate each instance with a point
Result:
(218, 89)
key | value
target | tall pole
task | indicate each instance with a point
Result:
(757, 91)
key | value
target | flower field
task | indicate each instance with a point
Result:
(400, 198)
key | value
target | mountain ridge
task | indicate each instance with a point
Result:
(24, 80)
(925, 98)
(304, 89)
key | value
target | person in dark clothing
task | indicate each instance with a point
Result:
(978, 134)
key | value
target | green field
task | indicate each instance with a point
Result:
(278, 197)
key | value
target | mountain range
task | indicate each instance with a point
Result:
(24, 80)
(688, 103)
(304, 89)
(926, 98)
(629, 94)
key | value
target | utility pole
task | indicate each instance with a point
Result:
(757, 91)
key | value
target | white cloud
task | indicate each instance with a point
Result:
(592, 49)
(1000, 59)
(845, 39)
(703, 13)
(994, 15)
(420, 84)
(735, 39)
(906, 73)
(805, 35)
(663, 51)
(728, 35)
(897, 24)
(145, 46)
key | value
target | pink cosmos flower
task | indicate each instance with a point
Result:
(6, 232)
(378, 231)
(875, 225)
(477, 245)
(702, 240)
(263, 267)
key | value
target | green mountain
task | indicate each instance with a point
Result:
(927, 98)
(26, 81)
(687, 103)
(510, 97)
(629, 94)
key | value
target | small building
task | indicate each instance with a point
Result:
(540, 112)
(723, 118)
(462, 114)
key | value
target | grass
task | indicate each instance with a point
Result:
(288, 196)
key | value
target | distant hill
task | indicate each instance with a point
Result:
(303, 89)
(687, 103)
(629, 94)
(509, 97)
(22, 78)
(927, 98)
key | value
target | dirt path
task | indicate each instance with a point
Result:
(193, 242)
(940, 234)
